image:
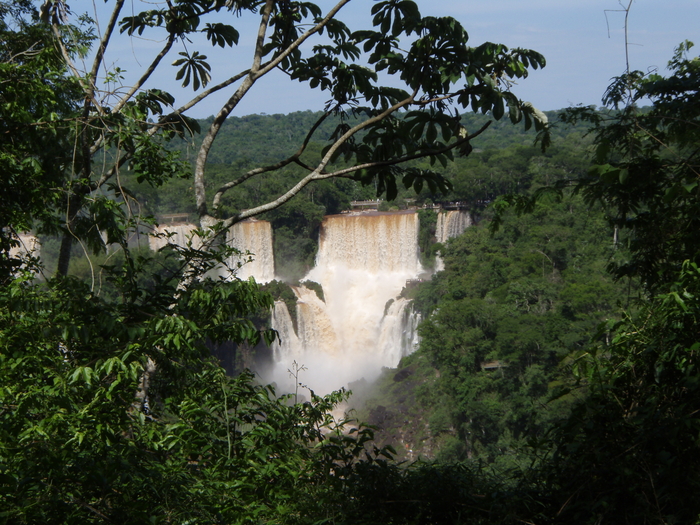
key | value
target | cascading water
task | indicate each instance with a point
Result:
(282, 322)
(255, 237)
(398, 332)
(450, 224)
(363, 263)
(248, 236)
(28, 245)
(178, 234)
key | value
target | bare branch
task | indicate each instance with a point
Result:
(103, 47)
(256, 72)
(315, 29)
(273, 167)
(204, 94)
(262, 31)
(379, 117)
(69, 62)
(146, 75)
(199, 186)
(407, 158)
(318, 173)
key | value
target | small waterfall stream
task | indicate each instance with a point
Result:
(252, 236)
(178, 234)
(450, 224)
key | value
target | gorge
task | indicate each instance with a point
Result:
(362, 324)
(359, 323)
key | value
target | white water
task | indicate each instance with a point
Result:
(28, 245)
(255, 237)
(179, 234)
(450, 224)
(364, 261)
(248, 236)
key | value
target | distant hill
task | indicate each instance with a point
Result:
(261, 138)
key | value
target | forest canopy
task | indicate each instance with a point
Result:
(112, 408)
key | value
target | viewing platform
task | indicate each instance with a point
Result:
(365, 205)
(173, 218)
(493, 365)
(373, 205)
(454, 205)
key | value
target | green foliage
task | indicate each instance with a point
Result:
(503, 314)
(281, 291)
(37, 100)
(645, 170)
(426, 236)
(112, 410)
(316, 287)
(628, 453)
(196, 67)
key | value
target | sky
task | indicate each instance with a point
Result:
(582, 40)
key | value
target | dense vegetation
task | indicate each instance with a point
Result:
(112, 409)
(499, 164)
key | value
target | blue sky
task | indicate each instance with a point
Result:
(582, 40)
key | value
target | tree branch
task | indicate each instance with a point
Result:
(103, 47)
(401, 160)
(204, 94)
(273, 167)
(199, 185)
(315, 29)
(317, 174)
(69, 62)
(260, 40)
(147, 74)
(256, 72)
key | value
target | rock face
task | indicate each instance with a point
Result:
(363, 263)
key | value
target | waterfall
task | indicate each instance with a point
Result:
(28, 245)
(285, 330)
(178, 234)
(398, 333)
(450, 224)
(363, 263)
(252, 236)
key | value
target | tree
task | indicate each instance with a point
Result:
(35, 98)
(380, 127)
(628, 452)
(646, 167)
(89, 433)
(83, 438)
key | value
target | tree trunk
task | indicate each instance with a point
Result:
(75, 202)
(64, 254)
